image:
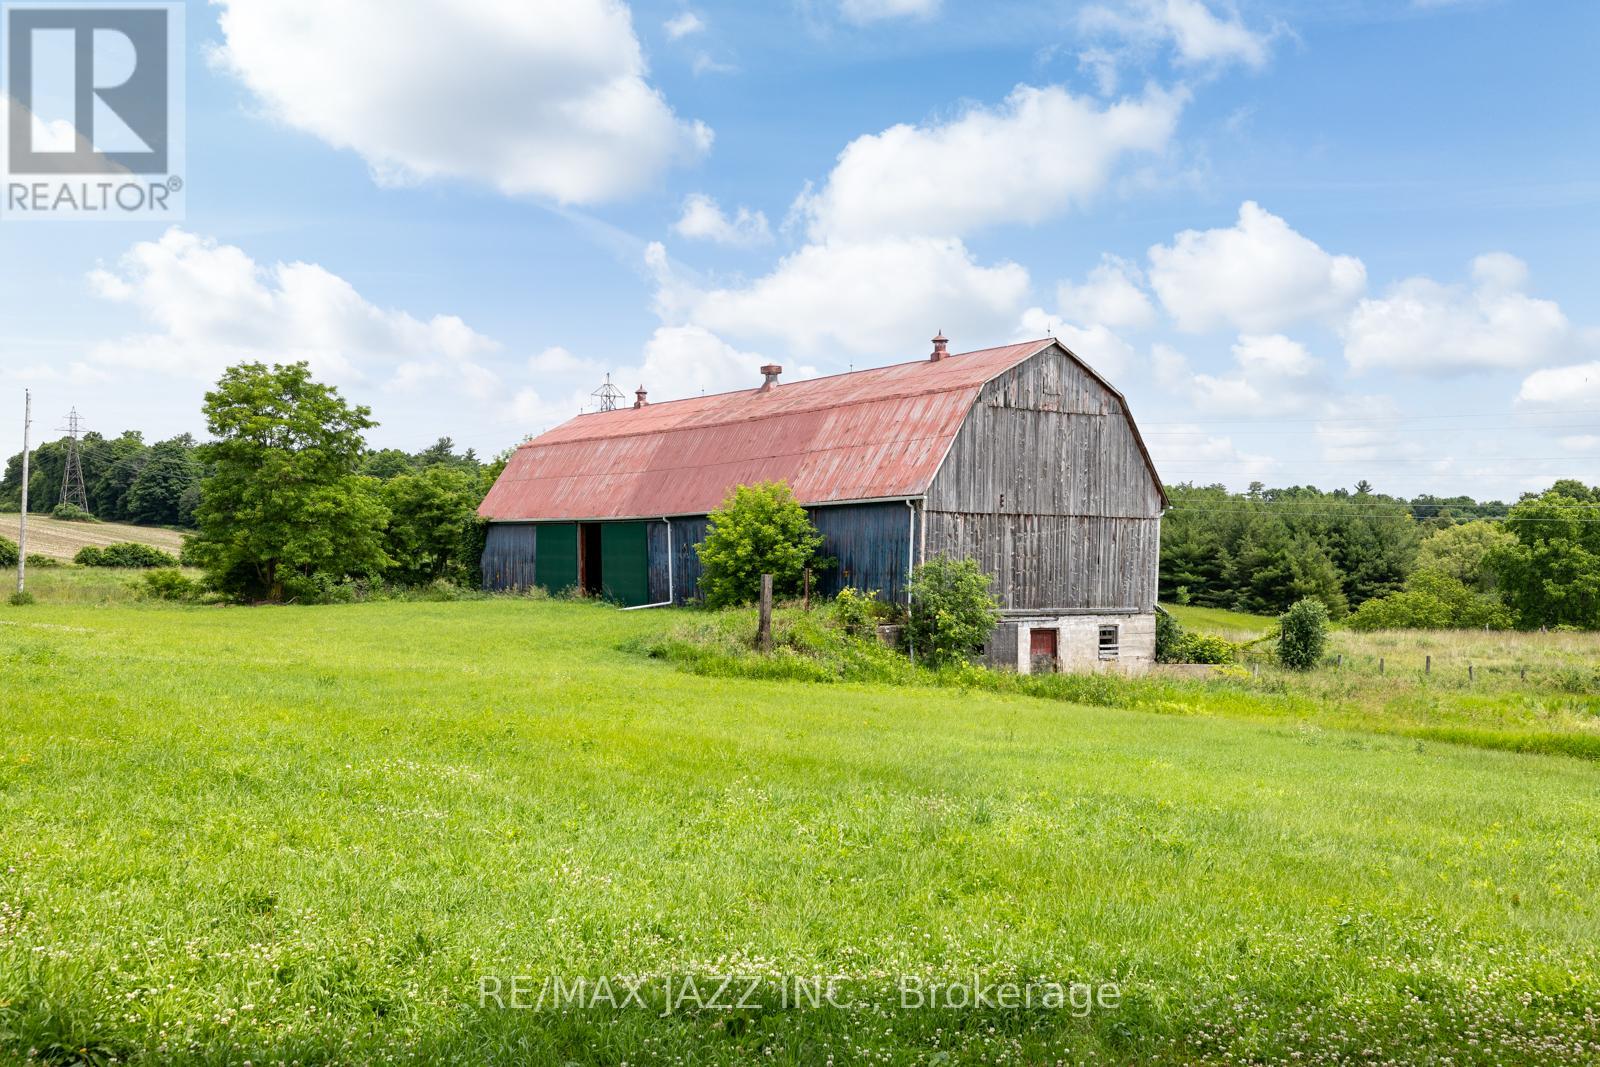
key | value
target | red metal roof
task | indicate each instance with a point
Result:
(867, 435)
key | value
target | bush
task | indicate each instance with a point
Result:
(1174, 644)
(759, 529)
(21, 600)
(124, 554)
(1433, 600)
(169, 584)
(8, 552)
(44, 562)
(952, 611)
(1303, 635)
(857, 613)
(72, 513)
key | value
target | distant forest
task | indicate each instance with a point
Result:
(1263, 549)
(158, 484)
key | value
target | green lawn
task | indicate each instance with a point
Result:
(310, 834)
(1233, 624)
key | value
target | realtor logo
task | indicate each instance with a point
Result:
(94, 110)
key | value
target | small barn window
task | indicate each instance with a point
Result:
(1109, 642)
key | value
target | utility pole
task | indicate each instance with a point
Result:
(22, 533)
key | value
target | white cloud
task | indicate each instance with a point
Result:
(1273, 355)
(1585, 442)
(703, 219)
(533, 97)
(211, 305)
(854, 296)
(1421, 325)
(1096, 345)
(1111, 295)
(1271, 374)
(1562, 388)
(1037, 154)
(687, 360)
(1197, 35)
(556, 361)
(1364, 429)
(1188, 453)
(1257, 275)
(682, 25)
(864, 11)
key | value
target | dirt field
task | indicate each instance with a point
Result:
(51, 537)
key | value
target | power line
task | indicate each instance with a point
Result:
(1246, 420)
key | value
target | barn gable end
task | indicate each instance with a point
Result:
(1048, 486)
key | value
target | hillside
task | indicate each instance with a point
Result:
(315, 834)
(62, 540)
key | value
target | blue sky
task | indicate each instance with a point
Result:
(1312, 242)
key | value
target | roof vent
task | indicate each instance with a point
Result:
(941, 347)
(639, 397)
(771, 372)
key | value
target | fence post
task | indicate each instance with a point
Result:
(764, 627)
(1524, 674)
(1427, 665)
(1338, 661)
(1469, 672)
(1380, 665)
(808, 589)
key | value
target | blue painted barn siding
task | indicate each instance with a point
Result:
(508, 556)
(870, 541)
(686, 535)
(656, 554)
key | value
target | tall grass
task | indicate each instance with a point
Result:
(306, 834)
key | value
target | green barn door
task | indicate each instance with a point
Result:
(624, 563)
(555, 560)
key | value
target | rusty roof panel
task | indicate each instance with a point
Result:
(867, 435)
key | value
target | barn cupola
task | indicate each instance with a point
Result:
(941, 347)
(770, 377)
(640, 397)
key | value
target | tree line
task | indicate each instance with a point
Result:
(286, 500)
(1384, 561)
(125, 479)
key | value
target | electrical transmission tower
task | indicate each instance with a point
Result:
(607, 396)
(72, 487)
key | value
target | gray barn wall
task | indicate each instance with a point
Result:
(1046, 487)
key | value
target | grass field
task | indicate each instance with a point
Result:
(62, 540)
(312, 834)
(1234, 625)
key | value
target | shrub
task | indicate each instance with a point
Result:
(1174, 644)
(759, 529)
(45, 562)
(952, 611)
(1433, 600)
(857, 613)
(21, 600)
(1303, 635)
(8, 552)
(72, 513)
(124, 554)
(169, 584)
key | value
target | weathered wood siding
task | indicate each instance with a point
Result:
(870, 541)
(872, 544)
(508, 556)
(1046, 487)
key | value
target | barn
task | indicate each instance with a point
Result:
(1021, 457)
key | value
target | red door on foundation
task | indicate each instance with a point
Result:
(1042, 648)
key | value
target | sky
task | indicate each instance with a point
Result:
(1312, 241)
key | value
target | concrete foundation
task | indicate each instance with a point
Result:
(1122, 643)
